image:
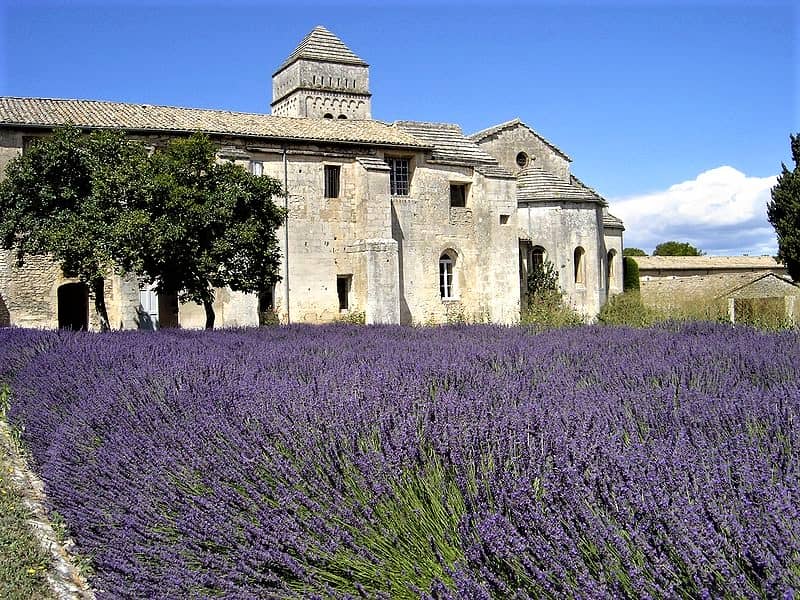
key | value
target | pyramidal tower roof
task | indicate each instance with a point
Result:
(325, 46)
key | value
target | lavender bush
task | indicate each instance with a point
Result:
(452, 462)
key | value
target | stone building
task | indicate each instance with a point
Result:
(405, 222)
(727, 284)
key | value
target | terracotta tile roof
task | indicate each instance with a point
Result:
(484, 133)
(322, 45)
(534, 183)
(702, 263)
(46, 112)
(451, 146)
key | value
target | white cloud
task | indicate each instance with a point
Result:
(721, 211)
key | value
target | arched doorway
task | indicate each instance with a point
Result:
(73, 306)
(5, 315)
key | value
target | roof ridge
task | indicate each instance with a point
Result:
(103, 114)
(484, 133)
(186, 108)
(431, 124)
(479, 135)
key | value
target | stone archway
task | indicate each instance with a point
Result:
(73, 306)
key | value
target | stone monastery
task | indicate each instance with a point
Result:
(405, 222)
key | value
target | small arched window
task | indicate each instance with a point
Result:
(538, 256)
(342, 117)
(579, 262)
(447, 263)
(611, 267)
(327, 116)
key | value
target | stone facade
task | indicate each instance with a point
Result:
(401, 223)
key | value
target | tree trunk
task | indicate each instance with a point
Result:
(209, 306)
(99, 293)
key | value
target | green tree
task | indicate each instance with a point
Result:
(210, 225)
(633, 252)
(545, 300)
(783, 212)
(70, 196)
(630, 274)
(673, 248)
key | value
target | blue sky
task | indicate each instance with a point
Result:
(677, 112)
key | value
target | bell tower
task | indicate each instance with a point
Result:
(322, 78)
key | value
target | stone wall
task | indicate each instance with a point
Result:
(560, 228)
(507, 143)
(485, 250)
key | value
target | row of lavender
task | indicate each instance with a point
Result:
(395, 462)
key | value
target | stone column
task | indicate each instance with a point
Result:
(383, 282)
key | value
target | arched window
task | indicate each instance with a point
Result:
(447, 263)
(579, 261)
(327, 116)
(538, 256)
(5, 316)
(342, 117)
(611, 267)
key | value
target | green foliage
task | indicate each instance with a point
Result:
(627, 309)
(420, 513)
(268, 317)
(356, 317)
(673, 248)
(545, 302)
(70, 196)
(630, 274)
(783, 212)
(633, 252)
(206, 225)
(97, 203)
(542, 279)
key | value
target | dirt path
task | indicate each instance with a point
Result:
(64, 578)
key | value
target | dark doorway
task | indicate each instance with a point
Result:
(5, 315)
(343, 291)
(168, 311)
(73, 306)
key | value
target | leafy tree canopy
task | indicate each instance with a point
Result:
(633, 252)
(673, 248)
(783, 212)
(70, 196)
(98, 204)
(210, 225)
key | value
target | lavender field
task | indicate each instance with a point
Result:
(455, 462)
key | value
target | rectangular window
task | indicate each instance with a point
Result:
(332, 181)
(343, 291)
(398, 176)
(504, 219)
(458, 195)
(446, 278)
(257, 168)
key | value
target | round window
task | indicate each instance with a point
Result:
(522, 159)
